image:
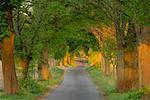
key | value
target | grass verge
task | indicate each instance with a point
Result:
(107, 85)
(37, 88)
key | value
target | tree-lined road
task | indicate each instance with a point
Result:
(76, 86)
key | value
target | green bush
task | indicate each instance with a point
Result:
(29, 85)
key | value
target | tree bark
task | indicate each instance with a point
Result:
(143, 33)
(144, 65)
(127, 71)
(24, 63)
(9, 74)
(127, 62)
(44, 66)
(107, 67)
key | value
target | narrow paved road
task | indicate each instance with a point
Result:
(76, 86)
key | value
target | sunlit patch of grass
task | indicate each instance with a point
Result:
(43, 86)
(107, 85)
(18, 96)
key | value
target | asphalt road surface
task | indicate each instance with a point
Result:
(77, 85)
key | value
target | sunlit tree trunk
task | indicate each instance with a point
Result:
(143, 33)
(120, 70)
(127, 71)
(107, 67)
(0, 52)
(61, 64)
(114, 67)
(144, 65)
(67, 59)
(127, 62)
(44, 66)
(9, 74)
(102, 62)
(24, 64)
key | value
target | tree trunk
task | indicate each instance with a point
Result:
(107, 67)
(144, 64)
(120, 70)
(24, 65)
(102, 63)
(9, 74)
(60, 63)
(144, 55)
(45, 73)
(127, 59)
(127, 71)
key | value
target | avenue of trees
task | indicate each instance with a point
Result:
(35, 30)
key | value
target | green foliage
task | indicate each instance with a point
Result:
(82, 40)
(17, 96)
(24, 43)
(3, 25)
(109, 47)
(138, 11)
(131, 38)
(29, 85)
(56, 75)
(16, 3)
(59, 25)
(136, 95)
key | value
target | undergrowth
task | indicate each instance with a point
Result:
(30, 89)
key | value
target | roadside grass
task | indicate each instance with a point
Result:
(106, 84)
(37, 89)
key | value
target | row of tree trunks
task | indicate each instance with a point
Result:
(127, 60)
(44, 73)
(133, 65)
